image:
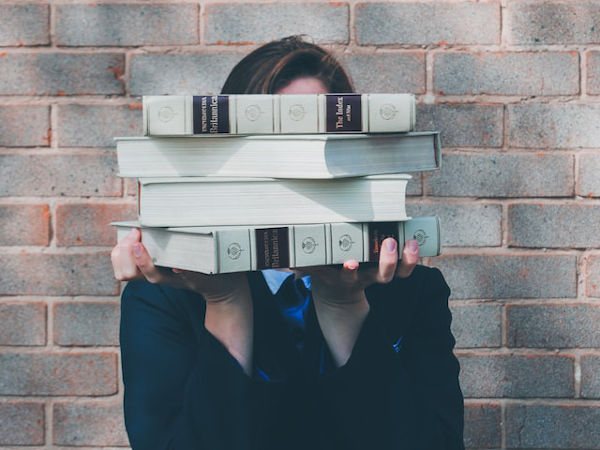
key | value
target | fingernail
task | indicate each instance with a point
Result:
(137, 249)
(391, 245)
(413, 247)
(352, 265)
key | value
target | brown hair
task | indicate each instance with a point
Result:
(274, 65)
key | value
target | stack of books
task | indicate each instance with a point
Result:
(234, 183)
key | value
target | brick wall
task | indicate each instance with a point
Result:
(513, 85)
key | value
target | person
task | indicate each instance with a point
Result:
(346, 358)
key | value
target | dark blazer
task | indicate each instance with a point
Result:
(398, 390)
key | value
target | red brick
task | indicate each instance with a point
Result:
(483, 425)
(57, 274)
(22, 323)
(58, 373)
(85, 324)
(89, 423)
(24, 126)
(89, 223)
(24, 224)
(21, 423)
(593, 276)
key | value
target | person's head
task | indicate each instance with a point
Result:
(290, 63)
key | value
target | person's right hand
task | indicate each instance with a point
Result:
(131, 261)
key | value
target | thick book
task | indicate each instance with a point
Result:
(240, 249)
(212, 201)
(179, 115)
(278, 156)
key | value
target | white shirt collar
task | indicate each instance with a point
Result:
(275, 279)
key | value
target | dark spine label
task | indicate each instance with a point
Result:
(211, 114)
(378, 231)
(272, 248)
(343, 113)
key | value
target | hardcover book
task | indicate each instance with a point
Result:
(212, 201)
(243, 248)
(278, 156)
(180, 115)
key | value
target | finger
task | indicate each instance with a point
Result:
(145, 265)
(410, 257)
(388, 260)
(349, 272)
(124, 264)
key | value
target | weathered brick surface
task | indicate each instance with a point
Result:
(503, 175)
(553, 326)
(24, 224)
(96, 126)
(59, 175)
(89, 423)
(477, 325)
(414, 186)
(464, 225)
(463, 125)
(593, 276)
(89, 223)
(593, 73)
(58, 374)
(22, 323)
(24, 25)
(254, 22)
(386, 72)
(552, 426)
(571, 225)
(526, 73)
(473, 276)
(85, 324)
(429, 23)
(590, 376)
(554, 126)
(482, 425)
(52, 274)
(554, 22)
(61, 73)
(106, 24)
(24, 126)
(589, 181)
(517, 376)
(21, 423)
(180, 74)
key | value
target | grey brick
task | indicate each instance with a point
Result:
(62, 74)
(553, 426)
(24, 126)
(562, 125)
(477, 325)
(464, 225)
(58, 374)
(89, 423)
(180, 73)
(503, 175)
(517, 376)
(96, 126)
(415, 185)
(106, 24)
(593, 276)
(24, 25)
(85, 324)
(59, 175)
(589, 181)
(429, 23)
(593, 73)
(496, 277)
(463, 125)
(23, 324)
(554, 226)
(590, 376)
(553, 326)
(248, 23)
(517, 73)
(22, 423)
(552, 22)
(386, 72)
(482, 425)
(57, 274)
(24, 224)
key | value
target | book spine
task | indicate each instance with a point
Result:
(274, 114)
